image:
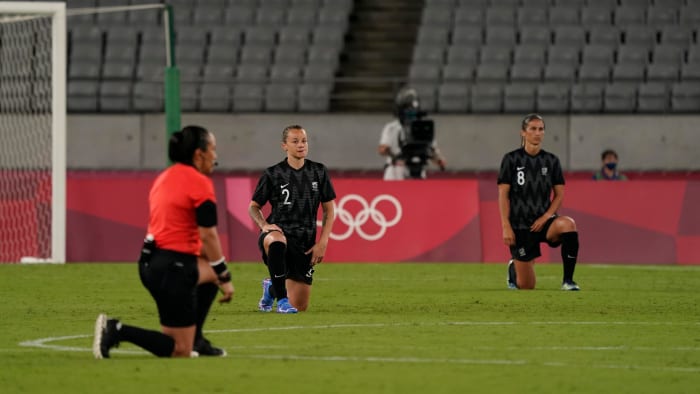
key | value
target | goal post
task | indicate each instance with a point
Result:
(33, 110)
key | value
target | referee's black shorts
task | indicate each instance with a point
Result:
(298, 264)
(171, 278)
(527, 243)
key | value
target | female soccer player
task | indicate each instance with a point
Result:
(294, 187)
(528, 177)
(181, 264)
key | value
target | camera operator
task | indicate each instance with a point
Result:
(408, 142)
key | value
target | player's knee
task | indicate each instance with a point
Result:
(275, 236)
(566, 224)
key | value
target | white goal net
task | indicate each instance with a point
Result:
(32, 132)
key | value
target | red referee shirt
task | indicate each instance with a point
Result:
(175, 195)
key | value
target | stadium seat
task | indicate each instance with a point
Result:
(593, 17)
(314, 97)
(535, 35)
(620, 98)
(563, 16)
(519, 98)
(285, 73)
(428, 54)
(570, 35)
(466, 55)
(628, 72)
(214, 72)
(492, 72)
(560, 72)
(486, 98)
(458, 73)
(553, 98)
(525, 72)
(468, 16)
(248, 97)
(148, 97)
(463, 35)
(587, 98)
(529, 54)
(115, 96)
(532, 15)
(453, 97)
(280, 97)
(214, 97)
(82, 96)
(189, 96)
(685, 97)
(653, 97)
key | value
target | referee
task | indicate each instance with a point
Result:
(181, 263)
(294, 187)
(528, 177)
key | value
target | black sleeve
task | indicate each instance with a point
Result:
(504, 175)
(262, 190)
(206, 214)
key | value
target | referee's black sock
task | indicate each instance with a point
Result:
(278, 269)
(569, 254)
(206, 293)
(154, 341)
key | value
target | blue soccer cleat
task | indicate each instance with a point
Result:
(283, 306)
(266, 301)
(511, 280)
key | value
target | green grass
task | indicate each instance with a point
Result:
(372, 328)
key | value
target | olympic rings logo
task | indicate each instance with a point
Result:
(368, 211)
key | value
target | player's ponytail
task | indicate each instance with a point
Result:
(185, 142)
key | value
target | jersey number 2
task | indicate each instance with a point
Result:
(285, 193)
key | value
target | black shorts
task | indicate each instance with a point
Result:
(297, 263)
(527, 243)
(171, 278)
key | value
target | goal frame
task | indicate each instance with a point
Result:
(57, 12)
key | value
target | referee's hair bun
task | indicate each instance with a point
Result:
(176, 149)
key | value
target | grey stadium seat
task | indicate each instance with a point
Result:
(314, 97)
(453, 97)
(115, 96)
(564, 54)
(663, 72)
(529, 15)
(492, 72)
(629, 72)
(458, 73)
(285, 72)
(525, 72)
(214, 72)
(631, 53)
(118, 70)
(500, 16)
(553, 97)
(251, 73)
(471, 16)
(685, 97)
(280, 97)
(428, 54)
(433, 36)
(465, 55)
(519, 98)
(690, 72)
(561, 72)
(587, 98)
(500, 35)
(570, 35)
(248, 97)
(653, 97)
(215, 97)
(593, 17)
(626, 16)
(424, 72)
(660, 15)
(620, 98)
(530, 54)
(539, 35)
(290, 55)
(189, 96)
(598, 53)
(148, 97)
(467, 35)
(605, 35)
(594, 72)
(486, 98)
(82, 96)
(563, 16)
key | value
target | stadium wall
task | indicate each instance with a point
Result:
(437, 220)
(250, 142)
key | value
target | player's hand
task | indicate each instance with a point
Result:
(442, 164)
(271, 227)
(508, 236)
(317, 251)
(539, 224)
(227, 290)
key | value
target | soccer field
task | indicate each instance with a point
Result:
(371, 328)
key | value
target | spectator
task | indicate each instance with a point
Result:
(609, 171)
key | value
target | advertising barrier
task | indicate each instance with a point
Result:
(435, 220)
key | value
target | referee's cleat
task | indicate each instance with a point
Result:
(266, 301)
(570, 286)
(106, 336)
(511, 279)
(283, 306)
(202, 347)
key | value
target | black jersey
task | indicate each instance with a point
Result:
(295, 196)
(531, 180)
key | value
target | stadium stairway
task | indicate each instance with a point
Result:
(377, 54)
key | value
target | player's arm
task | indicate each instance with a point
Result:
(504, 209)
(211, 251)
(255, 213)
(319, 249)
(558, 193)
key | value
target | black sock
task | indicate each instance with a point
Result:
(278, 269)
(155, 342)
(569, 254)
(206, 293)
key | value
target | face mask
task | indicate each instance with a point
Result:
(611, 166)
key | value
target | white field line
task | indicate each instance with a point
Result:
(49, 344)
